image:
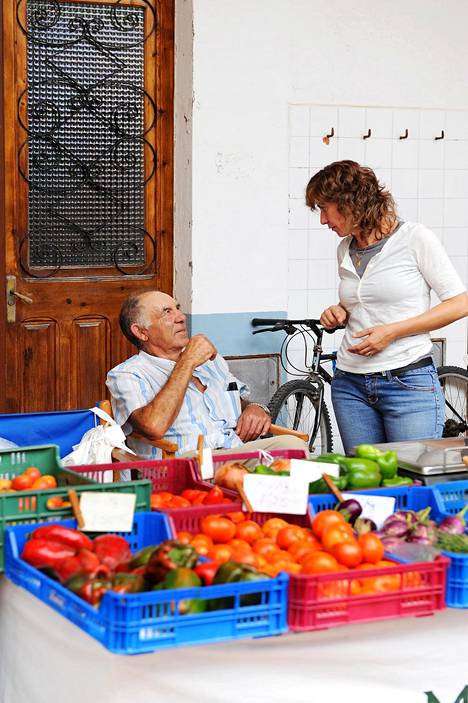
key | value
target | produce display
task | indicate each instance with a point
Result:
(91, 567)
(370, 468)
(408, 526)
(330, 545)
(188, 498)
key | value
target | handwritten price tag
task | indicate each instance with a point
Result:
(207, 468)
(276, 494)
(312, 470)
(107, 512)
(376, 508)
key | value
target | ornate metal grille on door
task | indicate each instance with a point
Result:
(87, 157)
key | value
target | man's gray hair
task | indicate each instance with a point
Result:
(133, 313)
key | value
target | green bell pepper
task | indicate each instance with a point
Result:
(183, 577)
(232, 572)
(319, 486)
(367, 451)
(360, 473)
(397, 481)
(388, 464)
(329, 458)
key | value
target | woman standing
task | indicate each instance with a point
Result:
(385, 387)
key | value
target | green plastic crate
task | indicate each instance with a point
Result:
(31, 506)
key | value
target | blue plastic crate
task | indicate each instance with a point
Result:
(406, 498)
(144, 622)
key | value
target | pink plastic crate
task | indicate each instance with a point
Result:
(219, 459)
(317, 602)
(189, 519)
(172, 475)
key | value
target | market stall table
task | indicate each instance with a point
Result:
(44, 659)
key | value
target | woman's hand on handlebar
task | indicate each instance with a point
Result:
(334, 316)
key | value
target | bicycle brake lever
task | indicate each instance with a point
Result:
(266, 329)
(338, 327)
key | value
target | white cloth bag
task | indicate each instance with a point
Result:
(96, 445)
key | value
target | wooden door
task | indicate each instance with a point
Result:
(86, 192)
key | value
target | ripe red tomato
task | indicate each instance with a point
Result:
(372, 548)
(319, 563)
(249, 531)
(214, 496)
(220, 529)
(288, 535)
(326, 518)
(335, 534)
(22, 482)
(220, 553)
(32, 471)
(347, 553)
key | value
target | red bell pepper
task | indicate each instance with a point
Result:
(85, 562)
(91, 590)
(42, 553)
(64, 535)
(112, 550)
(206, 571)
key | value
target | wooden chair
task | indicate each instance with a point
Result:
(169, 449)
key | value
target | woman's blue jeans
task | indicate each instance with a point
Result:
(375, 408)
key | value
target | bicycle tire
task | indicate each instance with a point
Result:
(281, 414)
(454, 382)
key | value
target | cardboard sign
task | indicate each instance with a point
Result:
(107, 512)
(206, 467)
(376, 508)
(276, 494)
(312, 470)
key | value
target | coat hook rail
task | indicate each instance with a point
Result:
(327, 137)
(405, 135)
(442, 135)
(369, 133)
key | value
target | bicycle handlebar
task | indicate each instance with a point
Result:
(282, 324)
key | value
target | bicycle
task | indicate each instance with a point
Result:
(300, 404)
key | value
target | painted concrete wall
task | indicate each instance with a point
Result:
(252, 61)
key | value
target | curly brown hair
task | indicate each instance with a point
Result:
(355, 191)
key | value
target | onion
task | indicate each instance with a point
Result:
(230, 475)
(281, 465)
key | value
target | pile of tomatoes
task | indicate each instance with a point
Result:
(329, 546)
(30, 480)
(164, 500)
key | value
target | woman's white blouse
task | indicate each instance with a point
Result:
(395, 286)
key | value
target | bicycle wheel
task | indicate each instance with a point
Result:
(295, 405)
(454, 382)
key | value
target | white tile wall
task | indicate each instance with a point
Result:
(428, 178)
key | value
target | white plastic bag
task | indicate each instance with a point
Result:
(96, 445)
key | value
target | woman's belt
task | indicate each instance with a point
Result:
(426, 361)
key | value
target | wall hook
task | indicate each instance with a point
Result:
(327, 137)
(442, 135)
(366, 136)
(405, 135)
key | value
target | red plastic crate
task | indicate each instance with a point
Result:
(172, 475)
(219, 459)
(317, 602)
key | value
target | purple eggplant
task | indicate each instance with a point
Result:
(395, 527)
(350, 509)
(454, 524)
(423, 534)
(363, 525)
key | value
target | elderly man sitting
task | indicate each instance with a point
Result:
(179, 388)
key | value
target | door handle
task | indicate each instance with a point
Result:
(24, 298)
(11, 296)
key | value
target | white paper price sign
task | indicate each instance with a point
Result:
(376, 508)
(107, 512)
(276, 494)
(312, 470)
(207, 468)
